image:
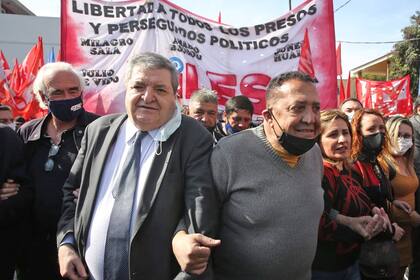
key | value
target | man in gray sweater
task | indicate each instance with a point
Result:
(268, 180)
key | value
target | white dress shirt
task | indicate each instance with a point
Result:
(95, 246)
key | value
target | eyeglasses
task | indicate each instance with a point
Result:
(49, 164)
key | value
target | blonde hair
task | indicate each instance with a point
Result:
(393, 126)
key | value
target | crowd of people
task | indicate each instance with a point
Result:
(164, 193)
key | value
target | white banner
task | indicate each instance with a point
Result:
(99, 37)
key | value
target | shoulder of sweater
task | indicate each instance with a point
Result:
(237, 139)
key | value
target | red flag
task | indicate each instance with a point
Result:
(20, 95)
(58, 58)
(305, 60)
(348, 86)
(4, 71)
(389, 97)
(16, 77)
(33, 61)
(342, 92)
(3, 61)
(219, 19)
(338, 56)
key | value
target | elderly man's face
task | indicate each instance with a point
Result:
(62, 85)
(204, 112)
(150, 99)
(297, 110)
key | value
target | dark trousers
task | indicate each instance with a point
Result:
(10, 246)
(39, 259)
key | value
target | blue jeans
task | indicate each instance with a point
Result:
(350, 273)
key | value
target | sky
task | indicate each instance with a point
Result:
(357, 21)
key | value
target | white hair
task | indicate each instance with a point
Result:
(40, 88)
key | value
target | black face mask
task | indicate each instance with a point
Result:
(66, 110)
(372, 144)
(292, 144)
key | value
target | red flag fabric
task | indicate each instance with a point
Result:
(3, 61)
(58, 58)
(338, 56)
(18, 92)
(342, 92)
(305, 60)
(33, 61)
(390, 97)
(348, 87)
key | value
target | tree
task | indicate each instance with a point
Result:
(406, 58)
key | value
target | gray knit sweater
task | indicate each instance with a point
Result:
(270, 211)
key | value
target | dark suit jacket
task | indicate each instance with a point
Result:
(178, 179)
(13, 210)
(12, 166)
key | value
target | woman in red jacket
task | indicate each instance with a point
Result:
(346, 221)
(371, 150)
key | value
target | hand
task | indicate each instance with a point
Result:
(399, 232)
(415, 218)
(76, 193)
(192, 251)
(404, 206)
(384, 216)
(375, 226)
(9, 189)
(71, 265)
(362, 225)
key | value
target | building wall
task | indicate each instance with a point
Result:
(20, 33)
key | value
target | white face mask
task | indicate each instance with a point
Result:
(404, 144)
(169, 128)
(350, 115)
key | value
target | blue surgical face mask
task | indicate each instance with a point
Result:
(66, 110)
(230, 129)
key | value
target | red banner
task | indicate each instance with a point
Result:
(390, 98)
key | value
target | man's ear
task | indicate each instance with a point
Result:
(43, 98)
(267, 115)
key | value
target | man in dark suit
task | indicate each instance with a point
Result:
(172, 155)
(15, 199)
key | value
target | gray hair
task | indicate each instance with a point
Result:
(39, 87)
(204, 95)
(151, 61)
